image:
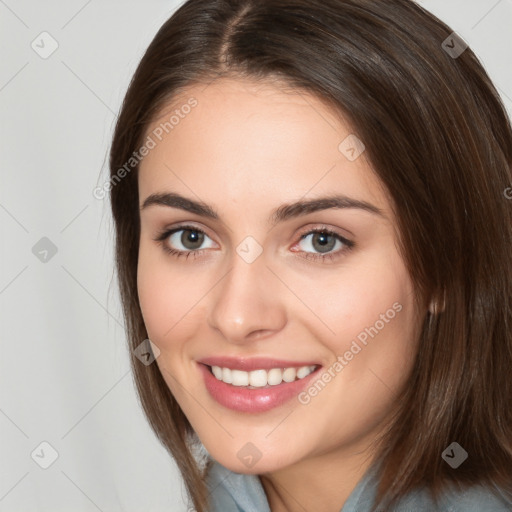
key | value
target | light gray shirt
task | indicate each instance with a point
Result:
(235, 492)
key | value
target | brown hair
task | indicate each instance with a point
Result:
(438, 137)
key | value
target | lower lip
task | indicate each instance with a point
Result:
(239, 398)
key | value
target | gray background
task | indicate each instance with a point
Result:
(64, 376)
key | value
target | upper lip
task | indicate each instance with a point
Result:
(253, 363)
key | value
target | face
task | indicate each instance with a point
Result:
(254, 283)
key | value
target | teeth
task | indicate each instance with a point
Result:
(261, 378)
(226, 376)
(257, 378)
(238, 377)
(289, 374)
(303, 371)
(275, 376)
(217, 371)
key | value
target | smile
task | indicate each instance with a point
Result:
(255, 389)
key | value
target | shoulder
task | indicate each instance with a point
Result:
(454, 498)
(469, 499)
(476, 499)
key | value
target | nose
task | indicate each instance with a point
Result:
(248, 302)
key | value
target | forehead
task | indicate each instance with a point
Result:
(242, 141)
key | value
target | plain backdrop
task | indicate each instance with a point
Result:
(67, 399)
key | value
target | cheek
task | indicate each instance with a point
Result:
(169, 297)
(159, 294)
(153, 296)
(349, 303)
(167, 311)
(380, 356)
(372, 351)
(369, 311)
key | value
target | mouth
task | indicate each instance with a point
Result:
(258, 390)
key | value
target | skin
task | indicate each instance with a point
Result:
(246, 149)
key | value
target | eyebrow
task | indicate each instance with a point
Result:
(281, 214)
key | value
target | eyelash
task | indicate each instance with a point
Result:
(349, 245)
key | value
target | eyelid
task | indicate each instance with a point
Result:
(168, 231)
(321, 228)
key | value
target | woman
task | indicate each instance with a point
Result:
(312, 230)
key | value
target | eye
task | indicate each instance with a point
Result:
(190, 239)
(324, 241)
